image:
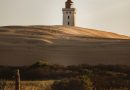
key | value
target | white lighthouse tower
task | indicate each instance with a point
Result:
(68, 14)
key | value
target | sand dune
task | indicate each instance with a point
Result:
(23, 45)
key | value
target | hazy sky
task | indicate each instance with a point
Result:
(109, 15)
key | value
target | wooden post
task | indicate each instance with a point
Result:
(17, 80)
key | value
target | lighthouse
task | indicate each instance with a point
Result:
(68, 14)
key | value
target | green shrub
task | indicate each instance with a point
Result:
(40, 63)
(77, 83)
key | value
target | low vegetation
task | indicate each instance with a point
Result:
(29, 85)
(76, 83)
(74, 77)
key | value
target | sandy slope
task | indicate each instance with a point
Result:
(23, 45)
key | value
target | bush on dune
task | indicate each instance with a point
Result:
(77, 83)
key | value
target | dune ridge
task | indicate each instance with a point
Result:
(23, 45)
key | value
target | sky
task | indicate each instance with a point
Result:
(106, 15)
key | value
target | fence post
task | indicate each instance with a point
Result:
(17, 80)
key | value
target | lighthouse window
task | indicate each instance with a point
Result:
(68, 17)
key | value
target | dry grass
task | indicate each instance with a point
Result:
(31, 85)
